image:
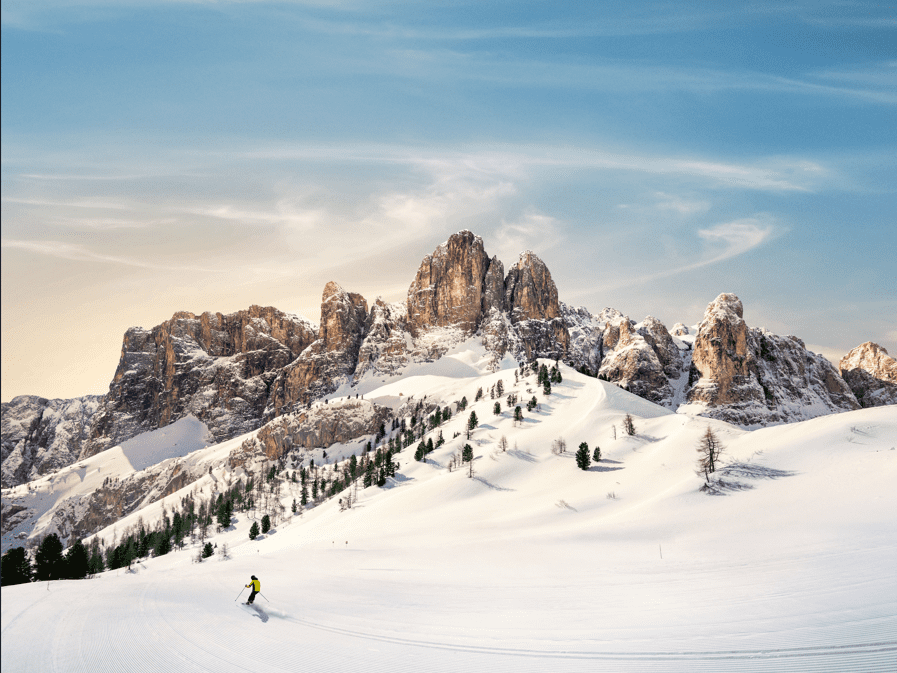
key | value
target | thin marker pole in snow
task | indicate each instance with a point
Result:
(661, 550)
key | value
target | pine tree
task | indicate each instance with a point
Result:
(207, 550)
(15, 567)
(77, 561)
(582, 457)
(163, 544)
(497, 408)
(472, 422)
(596, 456)
(96, 565)
(266, 524)
(629, 425)
(479, 395)
(500, 388)
(467, 453)
(254, 531)
(546, 388)
(48, 560)
(518, 414)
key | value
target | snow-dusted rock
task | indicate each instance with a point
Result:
(216, 367)
(655, 334)
(40, 435)
(634, 365)
(753, 377)
(327, 362)
(448, 288)
(871, 374)
(322, 425)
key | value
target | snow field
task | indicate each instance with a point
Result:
(529, 566)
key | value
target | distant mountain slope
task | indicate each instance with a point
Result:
(234, 372)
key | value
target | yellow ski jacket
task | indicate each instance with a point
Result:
(255, 584)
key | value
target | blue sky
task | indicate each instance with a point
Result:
(165, 156)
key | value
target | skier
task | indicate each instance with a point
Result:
(256, 588)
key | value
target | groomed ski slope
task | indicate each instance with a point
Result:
(532, 564)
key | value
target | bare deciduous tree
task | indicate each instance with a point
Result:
(709, 450)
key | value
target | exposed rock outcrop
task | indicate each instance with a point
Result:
(655, 334)
(530, 293)
(385, 347)
(327, 362)
(448, 288)
(871, 374)
(217, 367)
(323, 425)
(634, 365)
(753, 377)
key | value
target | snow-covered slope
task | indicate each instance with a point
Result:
(50, 504)
(530, 564)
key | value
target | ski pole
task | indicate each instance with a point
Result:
(263, 596)
(240, 594)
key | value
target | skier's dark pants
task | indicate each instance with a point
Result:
(252, 596)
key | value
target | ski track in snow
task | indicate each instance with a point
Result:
(440, 572)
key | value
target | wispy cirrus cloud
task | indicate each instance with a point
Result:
(81, 253)
(722, 242)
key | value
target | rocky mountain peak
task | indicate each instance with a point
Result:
(343, 316)
(871, 374)
(872, 358)
(448, 288)
(721, 354)
(750, 376)
(530, 292)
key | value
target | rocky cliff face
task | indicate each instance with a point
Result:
(448, 287)
(871, 374)
(41, 436)
(458, 292)
(634, 366)
(217, 367)
(323, 425)
(721, 356)
(753, 377)
(329, 360)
